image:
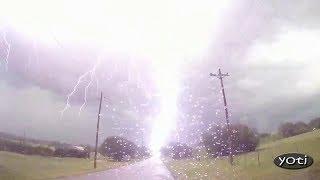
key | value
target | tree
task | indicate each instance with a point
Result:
(314, 123)
(264, 135)
(216, 141)
(301, 127)
(143, 152)
(118, 148)
(177, 150)
(243, 139)
(289, 129)
(74, 151)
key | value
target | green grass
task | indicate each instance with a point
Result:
(246, 165)
(17, 166)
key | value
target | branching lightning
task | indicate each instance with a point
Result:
(75, 88)
(86, 89)
(67, 106)
(91, 72)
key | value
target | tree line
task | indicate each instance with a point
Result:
(289, 129)
(215, 141)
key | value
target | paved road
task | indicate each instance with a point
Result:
(150, 169)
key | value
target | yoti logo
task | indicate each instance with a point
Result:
(293, 161)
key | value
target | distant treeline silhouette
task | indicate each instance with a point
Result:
(18, 147)
(289, 129)
(42, 150)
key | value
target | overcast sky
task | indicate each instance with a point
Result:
(146, 56)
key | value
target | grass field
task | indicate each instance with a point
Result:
(18, 166)
(247, 165)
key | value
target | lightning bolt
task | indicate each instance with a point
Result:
(8, 50)
(87, 87)
(67, 106)
(90, 72)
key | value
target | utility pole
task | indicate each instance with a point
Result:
(221, 76)
(97, 133)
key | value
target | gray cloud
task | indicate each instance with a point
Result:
(268, 84)
(264, 90)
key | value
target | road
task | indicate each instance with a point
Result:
(149, 169)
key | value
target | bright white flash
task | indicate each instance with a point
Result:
(165, 122)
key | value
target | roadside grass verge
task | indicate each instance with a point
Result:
(18, 166)
(247, 166)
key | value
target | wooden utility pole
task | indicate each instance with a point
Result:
(97, 133)
(221, 76)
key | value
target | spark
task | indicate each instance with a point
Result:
(8, 50)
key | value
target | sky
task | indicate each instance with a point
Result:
(152, 61)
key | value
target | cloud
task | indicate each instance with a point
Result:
(36, 112)
(269, 49)
(286, 76)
